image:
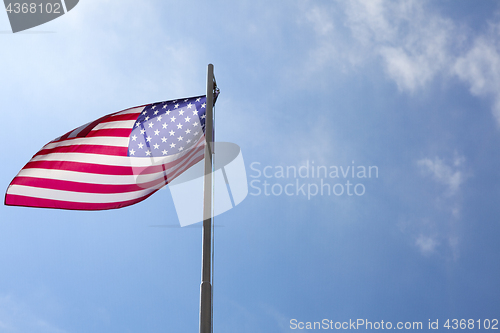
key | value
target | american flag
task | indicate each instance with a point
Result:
(114, 161)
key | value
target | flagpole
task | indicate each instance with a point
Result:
(206, 287)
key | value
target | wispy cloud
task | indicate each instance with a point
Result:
(412, 42)
(442, 232)
(426, 243)
(480, 68)
(449, 175)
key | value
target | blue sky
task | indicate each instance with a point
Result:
(410, 87)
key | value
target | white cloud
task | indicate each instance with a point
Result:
(448, 175)
(321, 21)
(413, 43)
(480, 68)
(440, 235)
(426, 244)
(368, 21)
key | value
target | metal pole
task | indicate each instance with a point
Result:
(206, 287)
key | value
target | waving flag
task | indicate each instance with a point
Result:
(114, 161)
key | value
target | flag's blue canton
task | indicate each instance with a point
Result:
(168, 128)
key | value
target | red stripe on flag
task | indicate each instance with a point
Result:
(19, 200)
(90, 149)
